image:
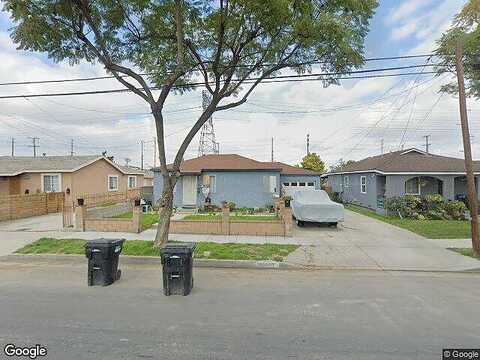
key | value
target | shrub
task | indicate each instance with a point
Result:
(456, 209)
(433, 207)
(335, 196)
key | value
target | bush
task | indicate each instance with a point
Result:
(456, 209)
(335, 196)
(432, 207)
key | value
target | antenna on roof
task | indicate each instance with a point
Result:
(427, 144)
(272, 149)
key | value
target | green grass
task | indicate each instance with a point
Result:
(431, 229)
(204, 250)
(465, 251)
(148, 219)
(199, 217)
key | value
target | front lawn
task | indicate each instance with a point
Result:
(431, 229)
(204, 250)
(465, 251)
(148, 219)
(213, 216)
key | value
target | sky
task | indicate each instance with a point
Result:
(346, 121)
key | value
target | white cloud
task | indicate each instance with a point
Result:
(406, 9)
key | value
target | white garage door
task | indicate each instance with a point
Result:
(290, 187)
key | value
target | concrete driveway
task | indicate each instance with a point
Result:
(364, 242)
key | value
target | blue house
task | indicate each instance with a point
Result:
(231, 177)
(370, 181)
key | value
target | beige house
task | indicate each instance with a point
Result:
(72, 175)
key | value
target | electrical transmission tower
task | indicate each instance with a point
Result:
(207, 144)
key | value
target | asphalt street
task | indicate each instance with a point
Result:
(239, 314)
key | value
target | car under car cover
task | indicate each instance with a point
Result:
(316, 206)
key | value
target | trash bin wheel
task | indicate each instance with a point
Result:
(300, 223)
(119, 274)
(333, 224)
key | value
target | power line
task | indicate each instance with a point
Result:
(277, 79)
(146, 74)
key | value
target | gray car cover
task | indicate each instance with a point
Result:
(316, 206)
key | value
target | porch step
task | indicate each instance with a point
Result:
(187, 210)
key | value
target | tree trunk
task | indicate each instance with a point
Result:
(165, 212)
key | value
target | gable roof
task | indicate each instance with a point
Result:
(130, 170)
(234, 162)
(11, 166)
(408, 161)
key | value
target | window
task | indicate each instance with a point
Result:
(293, 184)
(212, 184)
(273, 184)
(112, 182)
(311, 184)
(301, 184)
(132, 182)
(412, 186)
(51, 182)
(363, 184)
(286, 184)
(346, 181)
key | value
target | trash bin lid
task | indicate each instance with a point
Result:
(178, 248)
(104, 242)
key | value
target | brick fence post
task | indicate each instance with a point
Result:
(225, 220)
(287, 221)
(80, 215)
(137, 219)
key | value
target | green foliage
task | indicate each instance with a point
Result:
(313, 162)
(335, 196)
(230, 42)
(341, 164)
(433, 207)
(465, 31)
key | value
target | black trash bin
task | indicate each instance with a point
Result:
(177, 261)
(103, 257)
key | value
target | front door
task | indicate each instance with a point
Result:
(189, 190)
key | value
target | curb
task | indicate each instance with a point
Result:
(209, 263)
(148, 260)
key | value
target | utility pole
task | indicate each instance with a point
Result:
(381, 146)
(308, 144)
(272, 149)
(427, 144)
(71, 147)
(34, 145)
(154, 152)
(13, 147)
(141, 161)
(467, 151)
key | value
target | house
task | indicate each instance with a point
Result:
(370, 181)
(231, 177)
(147, 174)
(72, 175)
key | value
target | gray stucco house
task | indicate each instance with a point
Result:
(370, 181)
(231, 177)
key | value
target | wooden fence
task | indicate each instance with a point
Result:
(22, 206)
(108, 198)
